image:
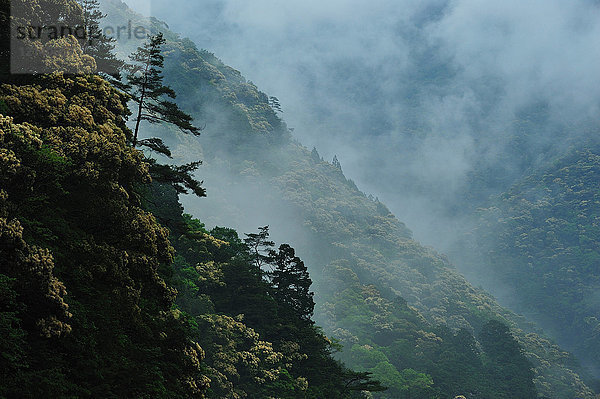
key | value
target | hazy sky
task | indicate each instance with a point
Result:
(409, 92)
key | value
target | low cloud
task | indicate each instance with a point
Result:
(411, 96)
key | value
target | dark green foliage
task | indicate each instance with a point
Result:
(541, 239)
(12, 336)
(505, 361)
(274, 103)
(82, 257)
(260, 246)
(179, 177)
(356, 381)
(145, 86)
(291, 282)
(155, 144)
(83, 304)
(240, 308)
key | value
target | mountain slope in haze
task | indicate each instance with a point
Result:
(361, 257)
(100, 299)
(540, 241)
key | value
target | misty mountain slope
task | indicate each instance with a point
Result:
(257, 174)
(540, 241)
(465, 95)
(98, 299)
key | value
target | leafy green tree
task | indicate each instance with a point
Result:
(417, 385)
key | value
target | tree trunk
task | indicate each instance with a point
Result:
(141, 104)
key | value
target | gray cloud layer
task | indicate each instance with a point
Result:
(411, 96)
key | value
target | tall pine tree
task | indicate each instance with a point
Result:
(292, 282)
(97, 44)
(259, 246)
(145, 85)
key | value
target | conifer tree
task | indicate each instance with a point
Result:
(97, 44)
(336, 163)
(259, 246)
(361, 382)
(275, 104)
(145, 85)
(314, 154)
(292, 282)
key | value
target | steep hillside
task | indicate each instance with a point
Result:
(83, 301)
(107, 290)
(540, 241)
(362, 258)
(97, 301)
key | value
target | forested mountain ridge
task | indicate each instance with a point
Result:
(109, 290)
(351, 242)
(83, 300)
(90, 278)
(106, 288)
(544, 231)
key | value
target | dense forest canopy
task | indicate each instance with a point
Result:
(259, 174)
(118, 279)
(541, 239)
(108, 289)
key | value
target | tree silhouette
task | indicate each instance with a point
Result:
(274, 103)
(97, 44)
(292, 282)
(336, 163)
(145, 85)
(314, 154)
(259, 245)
